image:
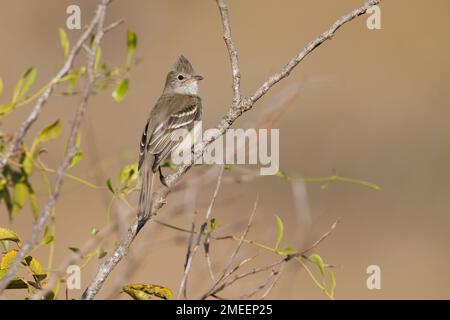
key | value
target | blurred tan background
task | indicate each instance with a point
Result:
(372, 105)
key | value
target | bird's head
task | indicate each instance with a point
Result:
(182, 78)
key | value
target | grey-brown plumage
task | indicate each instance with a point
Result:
(178, 108)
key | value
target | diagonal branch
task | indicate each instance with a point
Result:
(40, 223)
(233, 113)
(327, 35)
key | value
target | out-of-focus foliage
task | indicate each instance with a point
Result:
(19, 178)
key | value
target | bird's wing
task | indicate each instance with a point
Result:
(184, 110)
(143, 144)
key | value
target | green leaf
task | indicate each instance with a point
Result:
(5, 244)
(15, 283)
(8, 259)
(3, 183)
(333, 282)
(287, 251)
(20, 196)
(280, 231)
(94, 231)
(33, 202)
(27, 164)
(34, 266)
(1, 87)
(110, 186)
(101, 253)
(24, 84)
(98, 56)
(213, 224)
(6, 198)
(131, 42)
(76, 159)
(6, 234)
(147, 291)
(319, 262)
(64, 40)
(6, 108)
(121, 90)
(51, 132)
(281, 174)
(48, 239)
(129, 174)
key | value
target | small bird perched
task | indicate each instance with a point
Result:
(178, 108)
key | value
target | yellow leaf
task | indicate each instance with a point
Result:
(34, 265)
(27, 164)
(139, 291)
(6, 234)
(8, 259)
(51, 132)
(319, 262)
(280, 231)
(6, 108)
(20, 196)
(63, 39)
(129, 174)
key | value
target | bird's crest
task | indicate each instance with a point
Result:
(183, 65)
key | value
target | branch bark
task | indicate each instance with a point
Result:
(238, 107)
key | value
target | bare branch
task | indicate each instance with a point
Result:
(236, 74)
(274, 282)
(189, 254)
(234, 112)
(193, 250)
(323, 237)
(113, 25)
(269, 280)
(40, 223)
(206, 243)
(327, 35)
(226, 284)
(225, 272)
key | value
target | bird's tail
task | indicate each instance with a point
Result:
(145, 195)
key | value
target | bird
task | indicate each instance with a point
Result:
(178, 107)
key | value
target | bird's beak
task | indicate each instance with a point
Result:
(198, 77)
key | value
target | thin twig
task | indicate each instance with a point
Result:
(193, 250)
(269, 280)
(226, 284)
(323, 237)
(225, 271)
(113, 25)
(232, 53)
(188, 261)
(274, 282)
(206, 243)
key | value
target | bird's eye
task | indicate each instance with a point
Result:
(180, 77)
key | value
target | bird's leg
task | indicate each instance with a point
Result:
(161, 177)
